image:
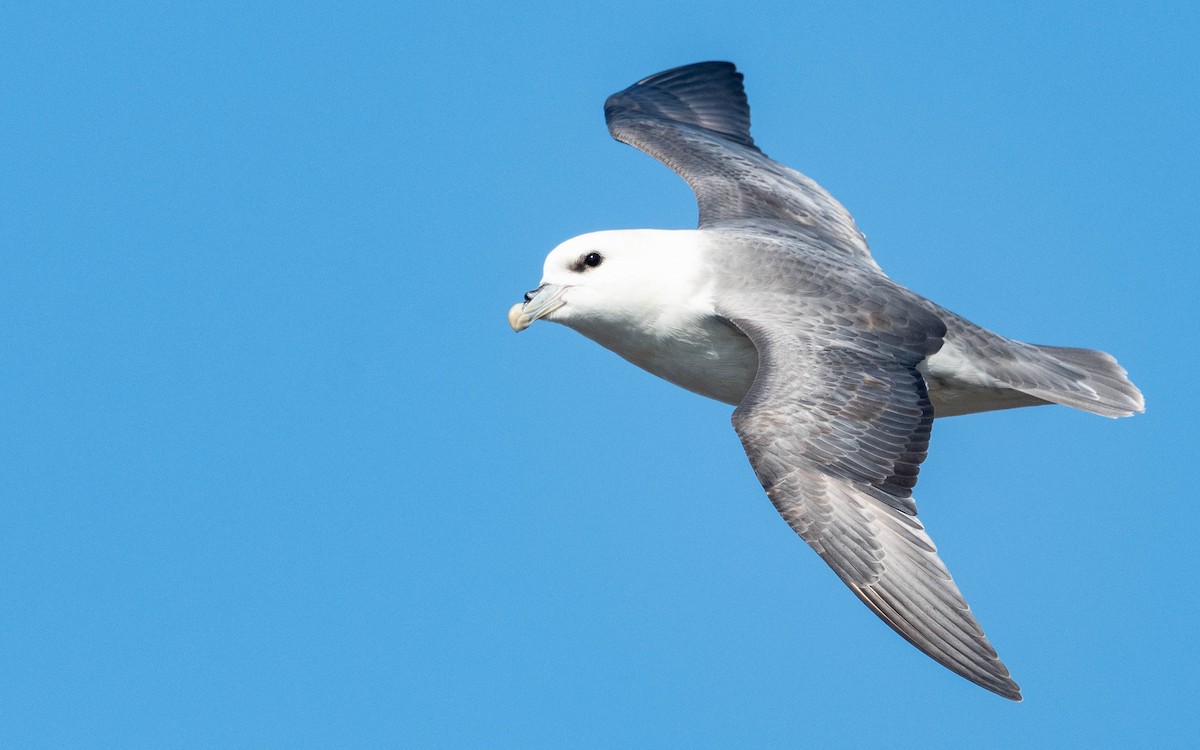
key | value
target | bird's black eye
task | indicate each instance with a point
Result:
(591, 260)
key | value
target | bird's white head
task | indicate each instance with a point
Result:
(616, 278)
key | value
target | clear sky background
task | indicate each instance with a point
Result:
(275, 472)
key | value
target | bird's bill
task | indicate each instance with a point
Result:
(538, 304)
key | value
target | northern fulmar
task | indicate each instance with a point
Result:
(774, 304)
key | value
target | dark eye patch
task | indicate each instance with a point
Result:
(591, 260)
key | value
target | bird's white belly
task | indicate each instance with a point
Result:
(705, 355)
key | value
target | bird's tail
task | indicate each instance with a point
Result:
(1081, 378)
(1086, 379)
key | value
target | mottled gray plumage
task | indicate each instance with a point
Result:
(775, 304)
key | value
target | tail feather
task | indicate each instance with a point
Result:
(1086, 379)
(994, 372)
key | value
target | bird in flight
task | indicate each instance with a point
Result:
(775, 305)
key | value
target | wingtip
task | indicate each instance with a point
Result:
(1006, 689)
(702, 67)
(707, 95)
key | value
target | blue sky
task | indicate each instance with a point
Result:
(275, 472)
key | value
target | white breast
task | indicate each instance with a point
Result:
(703, 354)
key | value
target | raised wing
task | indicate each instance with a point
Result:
(695, 119)
(836, 432)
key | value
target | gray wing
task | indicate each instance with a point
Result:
(836, 431)
(695, 119)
